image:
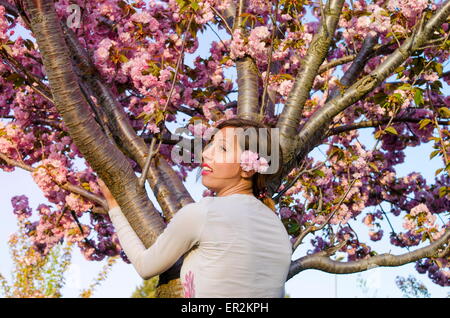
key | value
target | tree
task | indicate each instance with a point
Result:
(101, 80)
(39, 273)
(147, 289)
(34, 274)
(411, 287)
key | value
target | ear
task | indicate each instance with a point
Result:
(247, 174)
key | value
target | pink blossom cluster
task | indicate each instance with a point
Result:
(4, 27)
(410, 9)
(77, 203)
(201, 130)
(252, 161)
(20, 207)
(437, 274)
(421, 218)
(237, 45)
(50, 174)
(12, 137)
(255, 45)
(47, 232)
(208, 193)
(259, 7)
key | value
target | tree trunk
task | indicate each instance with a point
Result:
(104, 157)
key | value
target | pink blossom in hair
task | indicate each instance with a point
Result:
(250, 161)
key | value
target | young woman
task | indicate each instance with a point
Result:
(233, 243)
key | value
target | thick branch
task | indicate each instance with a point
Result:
(313, 131)
(316, 54)
(110, 164)
(230, 14)
(248, 104)
(30, 78)
(322, 262)
(66, 186)
(165, 183)
(124, 134)
(376, 123)
(247, 76)
(358, 64)
(379, 49)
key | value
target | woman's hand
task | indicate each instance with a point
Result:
(107, 194)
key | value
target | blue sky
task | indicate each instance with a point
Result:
(123, 279)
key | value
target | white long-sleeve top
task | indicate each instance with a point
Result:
(233, 246)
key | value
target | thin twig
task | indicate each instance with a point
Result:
(266, 80)
(314, 228)
(223, 19)
(152, 152)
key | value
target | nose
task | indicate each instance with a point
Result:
(206, 154)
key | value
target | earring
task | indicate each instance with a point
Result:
(263, 193)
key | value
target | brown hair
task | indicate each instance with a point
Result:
(259, 181)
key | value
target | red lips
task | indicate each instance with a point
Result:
(205, 172)
(206, 165)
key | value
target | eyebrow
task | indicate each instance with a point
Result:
(218, 140)
(223, 139)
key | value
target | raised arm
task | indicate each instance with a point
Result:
(181, 234)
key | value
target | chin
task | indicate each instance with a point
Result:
(208, 185)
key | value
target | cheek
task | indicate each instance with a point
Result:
(227, 169)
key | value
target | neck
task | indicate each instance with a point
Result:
(240, 188)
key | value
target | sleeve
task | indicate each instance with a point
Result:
(180, 235)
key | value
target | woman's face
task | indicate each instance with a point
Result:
(222, 155)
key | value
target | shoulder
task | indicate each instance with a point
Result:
(194, 208)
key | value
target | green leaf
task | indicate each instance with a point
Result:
(424, 236)
(436, 85)
(418, 96)
(181, 3)
(292, 225)
(398, 96)
(438, 68)
(424, 122)
(443, 191)
(434, 138)
(378, 134)
(320, 173)
(374, 166)
(159, 117)
(438, 171)
(379, 98)
(286, 76)
(434, 153)
(16, 79)
(445, 112)
(391, 130)
(194, 5)
(405, 87)
(123, 58)
(224, 59)
(7, 49)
